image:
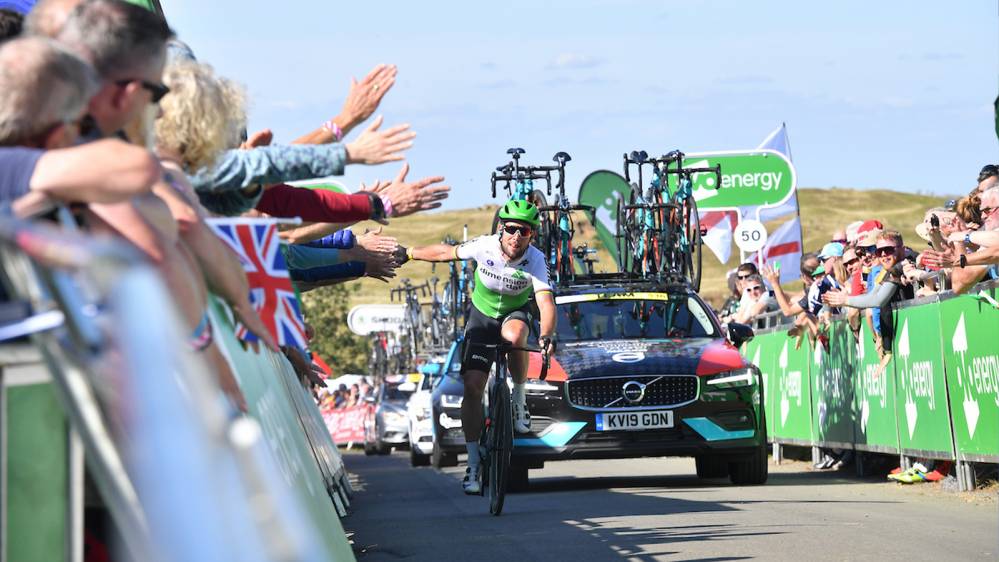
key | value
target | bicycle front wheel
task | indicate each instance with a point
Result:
(500, 445)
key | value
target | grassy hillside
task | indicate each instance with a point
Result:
(822, 212)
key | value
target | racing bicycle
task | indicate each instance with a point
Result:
(497, 433)
(518, 181)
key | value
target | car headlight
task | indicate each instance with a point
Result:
(738, 378)
(394, 417)
(451, 401)
(447, 422)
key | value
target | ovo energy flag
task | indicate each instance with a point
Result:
(258, 246)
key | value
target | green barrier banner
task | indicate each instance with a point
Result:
(792, 407)
(271, 403)
(875, 428)
(921, 397)
(754, 351)
(970, 328)
(37, 475)
(832, 386)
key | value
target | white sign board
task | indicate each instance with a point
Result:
(750, 235)
(367, 318)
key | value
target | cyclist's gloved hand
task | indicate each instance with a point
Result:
(341, 240)
(402, 255)
(547, 344)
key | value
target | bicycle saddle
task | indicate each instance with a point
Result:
(516, 152)
(562, 157)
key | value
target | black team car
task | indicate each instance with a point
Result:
(645, 371)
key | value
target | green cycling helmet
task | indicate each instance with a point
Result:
(523, 211)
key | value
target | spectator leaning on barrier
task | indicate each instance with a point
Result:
(891, 287)
(970, 268)
(43, 92)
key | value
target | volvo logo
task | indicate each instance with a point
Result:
(633, 392)
(628, 357)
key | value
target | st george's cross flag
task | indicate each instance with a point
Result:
(258, 245)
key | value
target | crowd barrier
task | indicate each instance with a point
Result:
(179, 475)
(938, 397)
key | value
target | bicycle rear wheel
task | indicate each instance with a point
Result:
(500, 443)
(692, 259)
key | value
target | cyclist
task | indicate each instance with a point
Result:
(508, 271)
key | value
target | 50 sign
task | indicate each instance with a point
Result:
(750, 235)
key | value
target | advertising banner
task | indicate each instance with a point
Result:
(266, 380)
(791, 394)
(753, 178)
(968, 326)
(759, 353)
(346, 425)
(832, 376)
(876, 428)
(921, 398)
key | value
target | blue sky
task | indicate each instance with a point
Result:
(874, 95)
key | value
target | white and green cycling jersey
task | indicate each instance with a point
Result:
(501, 286)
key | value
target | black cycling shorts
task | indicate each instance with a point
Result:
(482, 329)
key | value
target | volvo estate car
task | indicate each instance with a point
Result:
(644, 371)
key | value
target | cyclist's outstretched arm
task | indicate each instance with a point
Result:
(436, 252)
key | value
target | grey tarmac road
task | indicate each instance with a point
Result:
(657, 509)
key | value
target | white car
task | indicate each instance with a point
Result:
(421, 438)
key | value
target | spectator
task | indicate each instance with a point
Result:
(43, 92)
(970, 268)
(731, 304)
(891, 286)
(839, 237)
(758, 300)
(742, 274)
(988, 177)
(10, 24)
(44, 95)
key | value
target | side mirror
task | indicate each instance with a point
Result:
(739, 334)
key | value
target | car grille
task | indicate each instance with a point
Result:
(606, 393)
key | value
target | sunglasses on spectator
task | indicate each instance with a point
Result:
(848, 263)
(754, 288)
(840, 241)
(987, 211)
(157, 91)
(744, 277)
(512, 229)
(885, 250)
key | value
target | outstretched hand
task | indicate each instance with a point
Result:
(378, 147)
(251, 320)
(364, 96)
(834, 297)
(421, 195)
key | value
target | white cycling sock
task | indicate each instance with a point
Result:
(518, 393)
(473, 452)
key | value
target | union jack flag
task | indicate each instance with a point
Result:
(258, 246)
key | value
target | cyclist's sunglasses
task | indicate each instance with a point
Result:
(512, 229)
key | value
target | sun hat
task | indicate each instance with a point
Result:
(867, 233)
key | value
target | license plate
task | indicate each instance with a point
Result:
(655, 419)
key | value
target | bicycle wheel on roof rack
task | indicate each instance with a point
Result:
(692, 255)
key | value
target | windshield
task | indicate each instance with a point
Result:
(392, 392)
(625, 318)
